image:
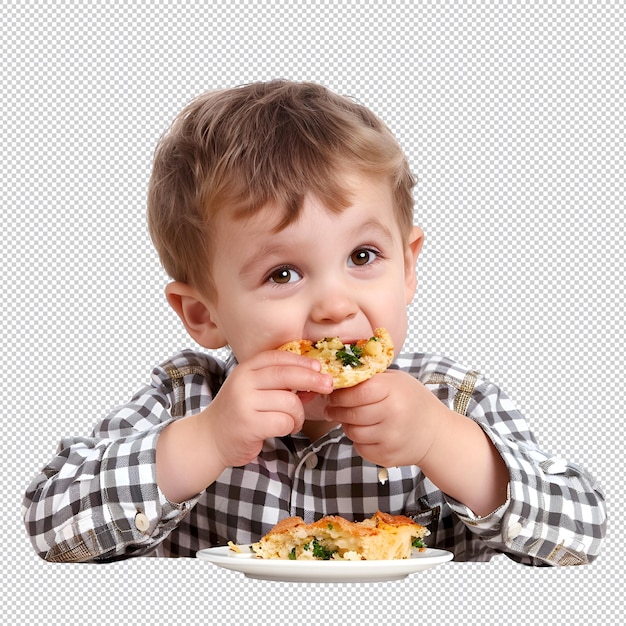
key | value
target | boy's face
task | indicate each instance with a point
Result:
(326, 274)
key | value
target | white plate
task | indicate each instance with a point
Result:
(324, 571)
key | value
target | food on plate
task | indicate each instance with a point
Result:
(350, 363)
(380, 537)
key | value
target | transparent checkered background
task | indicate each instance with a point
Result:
(512, 115)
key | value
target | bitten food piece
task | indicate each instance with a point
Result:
(381, 537)
(349, 364)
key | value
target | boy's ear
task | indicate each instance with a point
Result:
(413, 249)
(195, 313)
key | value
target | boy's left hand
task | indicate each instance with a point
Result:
(391, 418)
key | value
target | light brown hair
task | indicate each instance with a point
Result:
(236, 150)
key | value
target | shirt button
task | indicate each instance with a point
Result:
(311, 461)
(557, 466)
(142, 524)
(514, 530)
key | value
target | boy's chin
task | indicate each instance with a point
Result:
(306, 397)
(314, 405)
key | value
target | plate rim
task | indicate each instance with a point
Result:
(324, 571)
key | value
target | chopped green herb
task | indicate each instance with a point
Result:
(418, 543)
(349, 355)
(320, 552)
(292, 554)
(330, 526)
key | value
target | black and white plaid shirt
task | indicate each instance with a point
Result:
(98, 498)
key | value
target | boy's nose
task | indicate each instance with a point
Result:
(333, 306)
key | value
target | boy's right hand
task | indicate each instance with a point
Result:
(257, 402)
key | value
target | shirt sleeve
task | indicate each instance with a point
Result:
(555, 512)
(98, 498)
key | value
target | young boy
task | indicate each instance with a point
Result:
(283, 211)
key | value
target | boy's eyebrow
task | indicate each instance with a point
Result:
(262, 252)
(376, 225)
(269, 249)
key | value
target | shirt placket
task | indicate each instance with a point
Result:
(306, 478)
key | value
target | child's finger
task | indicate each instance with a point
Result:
(270, 358)
(293, 378)
(356, 416)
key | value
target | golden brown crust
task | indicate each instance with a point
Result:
(299, 346)
(376, 356)
(286, 525)
(393, 520)
(342, 526)
(382, 536)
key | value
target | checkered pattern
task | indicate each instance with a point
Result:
(98, 498)
(511, 114)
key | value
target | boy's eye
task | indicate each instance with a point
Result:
(284, 275)
(362, 256)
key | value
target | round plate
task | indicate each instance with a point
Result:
(324, 571)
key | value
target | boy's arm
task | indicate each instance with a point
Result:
(478, 476)
(112, 495)
(254, 404)
(555, 512)
(472, 443)
(98, 498)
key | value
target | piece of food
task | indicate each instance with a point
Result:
(380, 537)
(383, 475)
(349, 364)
